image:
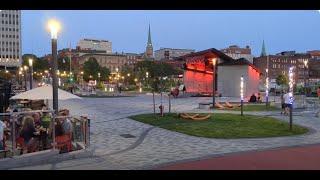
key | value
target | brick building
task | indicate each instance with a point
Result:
(236, 52)
(280, 63)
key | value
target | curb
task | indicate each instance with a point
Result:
(43, 157)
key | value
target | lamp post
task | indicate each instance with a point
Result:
(305, 62)
(291, 82)
(25, 77)
(241, 94)
(99, 75)
(213, 81)
(267, 87)
(31, 72)
(54, 27)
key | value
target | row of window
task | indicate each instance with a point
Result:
(9, 15)
(10, 50)
(9, 22)
(9, 43)
(9, 29)
(10, 56)
(10, 36)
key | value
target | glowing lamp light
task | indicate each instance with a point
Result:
(30, 62)
(54, 27)
(305, 63)
(214, 61)
(128, 74)
(241, 88)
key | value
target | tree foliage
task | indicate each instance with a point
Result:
(92, 68)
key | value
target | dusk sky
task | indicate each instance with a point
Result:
(199, 30)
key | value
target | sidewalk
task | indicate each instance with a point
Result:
(295, 158)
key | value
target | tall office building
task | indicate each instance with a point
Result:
(10, 38)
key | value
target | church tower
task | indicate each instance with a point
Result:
(263, 51)
(149, 48)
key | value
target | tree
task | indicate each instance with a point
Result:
(91, 68)
(39, 65)
(282, 81)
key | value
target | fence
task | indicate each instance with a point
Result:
(46, 137)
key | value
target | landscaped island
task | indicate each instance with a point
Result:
(221, 125)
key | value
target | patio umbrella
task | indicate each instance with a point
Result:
(44, 93)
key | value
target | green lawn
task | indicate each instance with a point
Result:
(225, 126)
(255, 107)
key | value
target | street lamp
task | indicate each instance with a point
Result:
(305, 62)
(54, 27)
(214, 61)
(31, 72)
(267, 87)
(25, 76)
(241, 94)
(291, 82)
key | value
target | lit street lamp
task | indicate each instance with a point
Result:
(291, 82)
(25, 77)
(267, 87)
(31, 72)
(305, 62)
(54, 27)
(214, 61)
(241, 94)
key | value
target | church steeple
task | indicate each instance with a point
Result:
(263, 51)
(149, 48)
(149, 37)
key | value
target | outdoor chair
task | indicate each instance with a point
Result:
(218, 105)
(228, 105)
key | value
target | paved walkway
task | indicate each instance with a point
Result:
(296, 158)
(153, 146)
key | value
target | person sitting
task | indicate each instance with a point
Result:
(259, 98)
(37, 119)
(2, 127)
(253, 99)
(65, 122)
(28, 132)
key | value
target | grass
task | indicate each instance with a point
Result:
(222, 125)
(254, 107)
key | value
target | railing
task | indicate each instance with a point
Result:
(13, 146)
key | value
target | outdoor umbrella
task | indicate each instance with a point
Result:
(44, 93)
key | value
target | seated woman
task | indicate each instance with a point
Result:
(253, 98)
(37, 119)
(28, 132)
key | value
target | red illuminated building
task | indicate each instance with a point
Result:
(199, 68)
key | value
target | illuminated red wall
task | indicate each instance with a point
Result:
(197, 82)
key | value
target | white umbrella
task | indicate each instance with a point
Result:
(44, 93)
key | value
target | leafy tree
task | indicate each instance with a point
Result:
(92, 68)
(282, 81)
(38, 64)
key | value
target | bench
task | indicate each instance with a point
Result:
(204, 105)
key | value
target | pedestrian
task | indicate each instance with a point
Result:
(288, 103)
(318, 93)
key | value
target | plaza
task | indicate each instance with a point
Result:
(152, 147)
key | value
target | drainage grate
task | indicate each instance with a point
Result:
(127, 135)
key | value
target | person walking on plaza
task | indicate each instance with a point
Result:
(318, 93)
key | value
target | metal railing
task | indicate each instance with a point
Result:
(80, 131)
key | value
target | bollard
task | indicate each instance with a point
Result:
(88, 133)
(161, 107)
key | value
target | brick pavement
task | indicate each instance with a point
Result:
(159, 146)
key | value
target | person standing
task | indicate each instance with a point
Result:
(2, 127)
(283, 105)
(318, 93)
(288, 103)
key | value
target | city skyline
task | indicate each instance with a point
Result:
(128, 30)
